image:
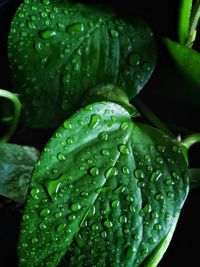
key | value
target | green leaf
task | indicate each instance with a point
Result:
(188, 62)
(104, 192)
(16, 166)
(60, 49)
(184, 20)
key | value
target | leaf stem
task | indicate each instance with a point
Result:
(17, 111)
(184, 20)
(191, 140)
(152, 117)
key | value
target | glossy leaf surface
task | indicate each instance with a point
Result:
(105, 192)
(60, 49)
(16, 166)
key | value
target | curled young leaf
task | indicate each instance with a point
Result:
(105, 192)
(60, 49)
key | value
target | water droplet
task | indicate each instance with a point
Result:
(129, 252)
(61, 227)
(60, 156)
(34, 193)
(94, 171)
(170, 194)
(103, 234)
(44, 212)
(167, 215)
(107, 223)
(151, 240)
(114, 33)
(47, 34)
(176, 149)
(169, 182)
(146, 66)
(115, 203)
(42, 226)
(144, 251)
(145, 210)
(139, 174)
(94, 121)
(71, 217)
(111, 172)
(156, 175)
(134, 59)
(120, 189)
(159, 160)
(105, 152)
(158, 196)
(175, 175)
(69, 141)
(157, 227)
(154, 214)
(147, 158)
(53, 186)
(67, 125)
(43, 14)
(125, 170)
(34, 240)
(132, 208)
(58, 134)
(124, 126)
(57, 215)
(75, 207)
(122, 219)
(103, 136)
(149, 168)
(161, 148)
(76, 27)
(123, 149)
(136, 237)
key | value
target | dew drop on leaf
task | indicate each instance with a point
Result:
(139, 174)
(107, 223)
(34, 193)
(123, 149)
(94, 121)
(115, 203)
(76, 27)
(94, 171)
(105, 152)
(47, 34)
(111, 172)
(60, 157)
(44, 212)
(67, 125)
(75, 207)
(156, 175)
(134, 59)
(122, 219)
(114, 33)
(103, 136)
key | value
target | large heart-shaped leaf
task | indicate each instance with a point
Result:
(105, 192)
(60, 49)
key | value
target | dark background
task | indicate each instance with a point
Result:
(161, 16)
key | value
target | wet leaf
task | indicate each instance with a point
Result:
(105, 192)
(60, 49)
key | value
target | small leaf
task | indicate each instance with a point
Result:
(187, 60)
(59, 49)
(16, 166)
(105, 192)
